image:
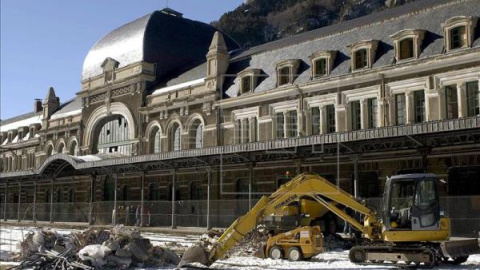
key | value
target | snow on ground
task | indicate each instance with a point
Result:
(10, 236)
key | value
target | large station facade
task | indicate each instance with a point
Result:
(174, 116)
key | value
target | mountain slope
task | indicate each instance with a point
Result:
(260, 21)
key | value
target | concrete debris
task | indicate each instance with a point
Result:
(119, 248)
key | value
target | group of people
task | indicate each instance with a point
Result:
(132, 215)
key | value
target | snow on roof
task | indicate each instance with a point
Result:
(65, 114)
(37, 119)
(178, 86)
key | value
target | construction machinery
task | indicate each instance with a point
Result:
(410, 227)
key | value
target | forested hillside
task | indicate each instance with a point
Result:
(261, 21)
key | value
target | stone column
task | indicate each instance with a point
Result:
(409, 108)
(355, 175)
(462, 100)
(364, 113)
(323, 119)
(442, 104)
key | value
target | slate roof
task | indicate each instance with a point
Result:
(171, 42)
(427, 14)
(69, 106)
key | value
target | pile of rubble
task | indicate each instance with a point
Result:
(119, 248)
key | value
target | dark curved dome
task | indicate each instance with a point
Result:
(172, 42)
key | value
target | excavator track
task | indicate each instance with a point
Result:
(404, 256)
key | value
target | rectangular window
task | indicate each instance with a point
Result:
(372, 112)
(361, 58)
(254, 129)
(356, 115)
(458, 37)
(245, 131)
(330, 121)
(315, 111)
(472, 99)
(406, 48)
(320, 67)
(400, 109)
(284, 74)
(292, 124)
(280, 125)
(451, 102)
(246, 84)
(419, 105)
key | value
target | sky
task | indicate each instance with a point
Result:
(44, 42)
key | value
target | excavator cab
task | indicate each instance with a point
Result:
(411, 202)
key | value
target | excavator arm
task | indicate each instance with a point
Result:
(306, 185)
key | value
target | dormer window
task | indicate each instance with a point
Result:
(363, 54)
(322, 63)
(286, 71)
(109, 65)
(459, 32)
(248, 80)
(408, 43)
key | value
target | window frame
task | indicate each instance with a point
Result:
(328, 57)
(252, 74)
(469, 22)
(419, 110)
(473, 100)
(404, 109)
(292, 65)
(355, 115)
(372, 113)
(370, 47)
(416, 35)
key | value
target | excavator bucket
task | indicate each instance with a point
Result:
(460, 248)
(261, 253)
(195, 256)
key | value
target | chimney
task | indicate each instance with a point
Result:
(37, 105)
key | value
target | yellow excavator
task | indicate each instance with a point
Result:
(411, 227)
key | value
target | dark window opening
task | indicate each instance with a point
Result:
(419, 105)
(246, 84)
(473, 108)
(284, 76)
(451, 100)
(331, 127)
(321, 67)
(458, 37)
(315, 111)
(356, 115)
(361, 59)
(406, 49)
(372, 112)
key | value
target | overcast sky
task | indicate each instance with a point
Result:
(44, 42)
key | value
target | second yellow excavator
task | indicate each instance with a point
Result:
(411, 228)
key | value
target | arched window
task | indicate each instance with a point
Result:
(196, 134)
(61, 146)
(154, 192)
(49, 150)
(195, 190)
(126, 192)
(155, 140)
(175, 137)
(108, 189)
(73, 151)
(71, 195)
(59, 195)
(112, 136)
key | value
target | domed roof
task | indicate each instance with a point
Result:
(162, 37)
